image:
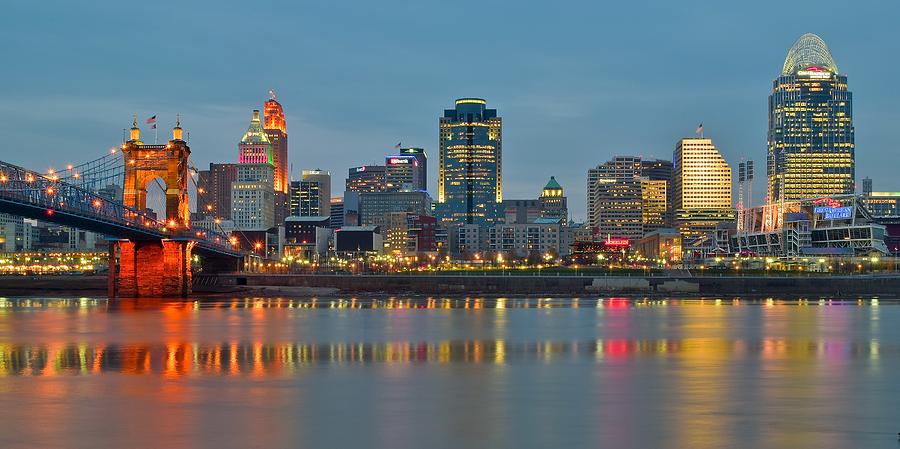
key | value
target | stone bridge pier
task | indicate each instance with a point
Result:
(150, 269)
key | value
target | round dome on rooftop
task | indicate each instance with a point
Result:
(809, 51)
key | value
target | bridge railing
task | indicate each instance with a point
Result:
(30, 188)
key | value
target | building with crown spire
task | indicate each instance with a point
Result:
(811, 146)
(276, 131)
(255, 146)
(253, 192)
(553, 202)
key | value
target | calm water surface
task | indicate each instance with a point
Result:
(508, 373)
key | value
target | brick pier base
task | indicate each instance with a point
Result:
(149, 269)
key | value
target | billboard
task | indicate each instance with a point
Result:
(835, 213)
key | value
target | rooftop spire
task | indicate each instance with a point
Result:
(135, 131)
(177, 132)
(255, 133)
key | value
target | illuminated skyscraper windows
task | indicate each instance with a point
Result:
(811, 149)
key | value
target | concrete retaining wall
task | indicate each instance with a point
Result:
(886, 286)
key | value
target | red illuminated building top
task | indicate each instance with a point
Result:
(274, 114)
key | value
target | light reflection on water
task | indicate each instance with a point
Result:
(263, 359)
(448, 372)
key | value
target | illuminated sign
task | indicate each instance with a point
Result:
(616, 242)
(829, 201)
(835, 213)
(397, 160)
(814, 72)
(360, 169)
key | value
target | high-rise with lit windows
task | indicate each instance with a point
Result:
(421, 165)
(276, 131)
(614, 198)
(702, 182)
(311, 196)
(470, 181)
(366, 179)
(553, 202)
(402, 173)
(811, 151)
(255, 147)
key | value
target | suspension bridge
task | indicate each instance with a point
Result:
(149, 255)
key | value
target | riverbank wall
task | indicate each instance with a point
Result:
(821, 286)
(844, 287)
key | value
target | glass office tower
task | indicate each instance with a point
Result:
(811, 145)
(470, 181)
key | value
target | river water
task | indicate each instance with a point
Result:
(448, 373)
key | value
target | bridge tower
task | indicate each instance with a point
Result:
(154, 268)
(144, 163)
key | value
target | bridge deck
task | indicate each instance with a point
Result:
(28, 194)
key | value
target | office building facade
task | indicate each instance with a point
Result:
(255, 147)
(703, 189)
(661, 170)
(619, 168)
(553, 202)
(614, 198)
(521, 211)
(375, 207)
(314, 194)
(654, 210)
(421, 165)
(402, 173)
(214, 190)
(811, 144)
(470, 178)
(276, 132)
(366, 179)
(253, 197)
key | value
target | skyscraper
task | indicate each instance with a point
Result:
(253, 193)
(306, 200)
(311, 196)
(276, 132)
(703, 187)
(470, 181)
(402, 173)
(614, 197)
(422, 167)
(811, 147)
(660, 170)
(553, 202)
(255, 147)
(252, 197)
(629, 196)
(215, 183)
(366, 179)
(654, 208)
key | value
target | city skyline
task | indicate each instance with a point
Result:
(604, 105)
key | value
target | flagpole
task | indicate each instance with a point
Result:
(155, 133)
